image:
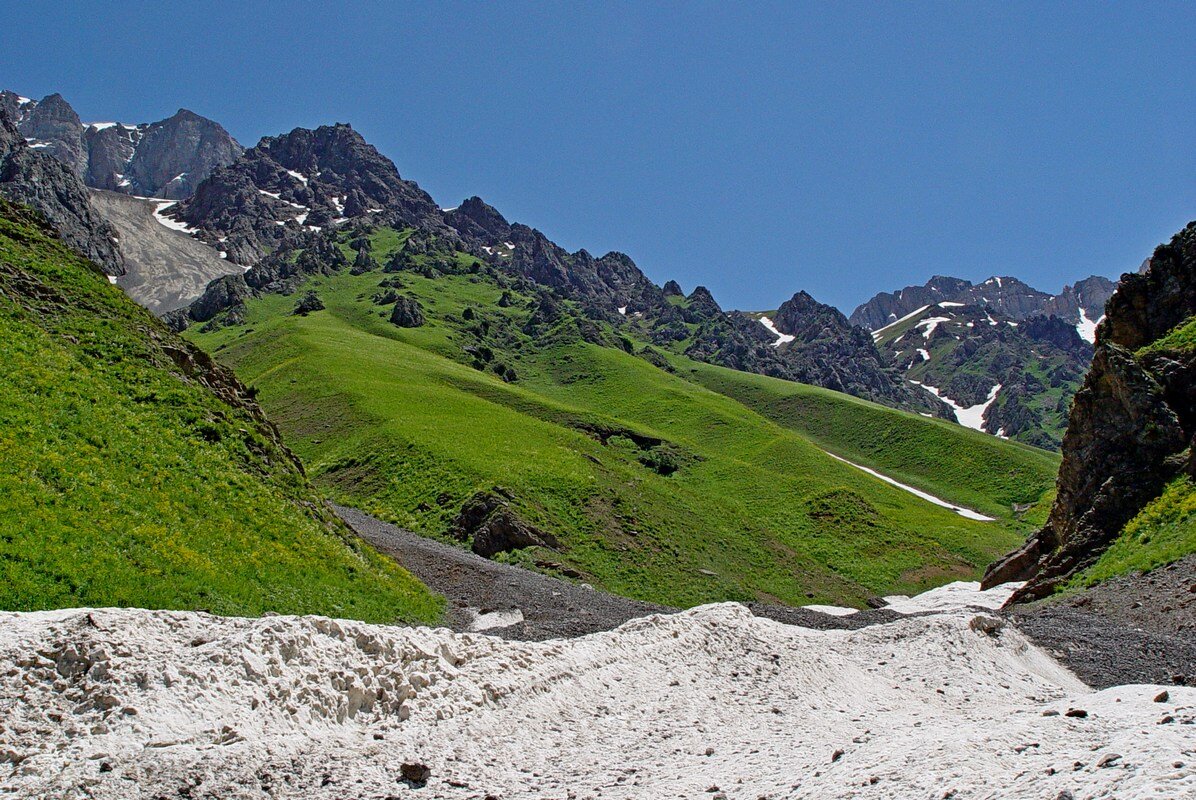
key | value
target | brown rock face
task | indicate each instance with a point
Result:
(1130, 429)
(487, 518)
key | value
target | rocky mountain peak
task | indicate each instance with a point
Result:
(672, 289)
(478, 219)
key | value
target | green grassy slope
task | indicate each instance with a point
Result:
(125, 483)
(958, 464)
(657, 487)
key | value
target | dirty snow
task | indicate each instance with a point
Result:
(100, 126)
(960, 510)
(710, 702)
(161, 206)
(782, 338)
(1086, 327)
(957, 596)
(880, 332)
(924, 353)
(969, 416)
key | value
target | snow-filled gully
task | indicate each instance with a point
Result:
(711, 702)
(960, 510)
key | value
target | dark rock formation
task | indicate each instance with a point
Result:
(304, 181)
(407, 312)
(1131, 426)
(488, 520)
(308, 303)
(42, 182)
(476, 219)
(672, 289)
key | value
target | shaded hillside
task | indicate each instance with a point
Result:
(1125, 486)
(135, 472)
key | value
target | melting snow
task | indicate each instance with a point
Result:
(960, 510)
(275, 195)
(446, 210)
(173, 224)
(782, 338)
(111, 279)
(299, 176)
(951, 304)
(925, 355)
(957, 596)
(622, 309)
(971, 416)
(949, 704)
(100, 126)
(928, 325)
(879, 333)
(1087, 327)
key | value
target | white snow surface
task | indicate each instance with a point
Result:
(951, 304)
(782, 338)
(299, 176)
(928, 325)
(120, 703)
(1087, 327)
(960, 510)
(880, 332)
(969, 416)
(622, 309)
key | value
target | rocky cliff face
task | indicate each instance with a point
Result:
(166, 159)
(303, 181)
(41, 181)
(1004, 296)
(1131, 426)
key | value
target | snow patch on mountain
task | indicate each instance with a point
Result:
(782, 338)
(960, 510)
(969, 416)
(1086, 327)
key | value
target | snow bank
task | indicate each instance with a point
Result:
(709, 702)
(958, 596)
(960, 510)
(1087, 327)
(968, 416)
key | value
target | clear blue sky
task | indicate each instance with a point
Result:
(841, 148)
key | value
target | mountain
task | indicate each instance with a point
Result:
(134, 471)
(1081, 305)
(1126, 494)
(165, 159)
(42, 182)
(472, 381)
(1004, 356)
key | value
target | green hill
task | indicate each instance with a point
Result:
(135, 473)
(653, 484)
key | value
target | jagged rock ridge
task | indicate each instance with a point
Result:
(1131, 428)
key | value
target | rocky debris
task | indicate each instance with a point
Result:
(1130, 429)
(308, 303)
(42, 182)
(165, 159)
(407, 312)
(164, 269)
(415, 774)
(492, 526)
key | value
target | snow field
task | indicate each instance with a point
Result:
(131, 703)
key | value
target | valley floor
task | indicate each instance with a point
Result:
(708, 702)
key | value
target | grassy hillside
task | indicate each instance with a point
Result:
(655, 486)
(125, 482)
(958, 464)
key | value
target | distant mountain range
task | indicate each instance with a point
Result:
(255, 209)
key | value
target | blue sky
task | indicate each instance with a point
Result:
(756, 148)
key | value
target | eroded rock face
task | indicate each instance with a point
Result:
(42, 182)
(487, 519)
(1131, 425)
(407, 312)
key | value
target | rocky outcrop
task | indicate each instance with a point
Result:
(1131, 425)
(42, 182)
(407, 312)
(301, 182)
(492, 527)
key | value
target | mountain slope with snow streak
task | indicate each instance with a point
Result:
(712, 700)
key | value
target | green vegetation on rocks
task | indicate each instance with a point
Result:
(135, 473)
